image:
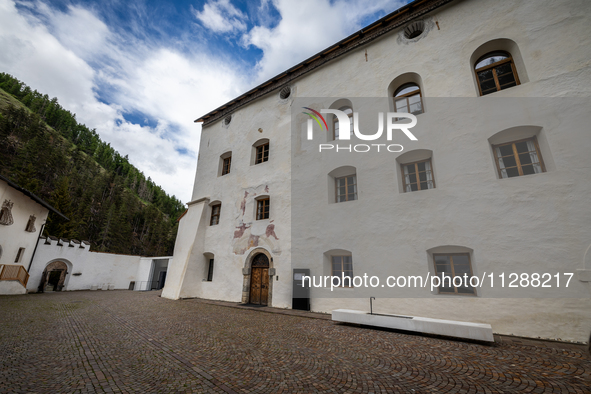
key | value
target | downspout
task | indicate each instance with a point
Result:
(35, 250)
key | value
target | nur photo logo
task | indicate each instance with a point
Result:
(392, 122)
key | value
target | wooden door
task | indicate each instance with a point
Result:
(259, 286)
(264, 286)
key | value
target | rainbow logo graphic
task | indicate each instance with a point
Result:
(315, 116)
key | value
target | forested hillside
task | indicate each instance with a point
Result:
(109, 202)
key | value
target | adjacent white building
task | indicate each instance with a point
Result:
(31, 263)
(22, 217)
(497, 182)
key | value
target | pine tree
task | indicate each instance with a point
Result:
(60, 200)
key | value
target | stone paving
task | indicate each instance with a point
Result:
(137, 342)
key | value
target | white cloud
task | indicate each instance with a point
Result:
(74, 55)
(169, 87)
(221, 17)
(77, 29)
(307, 27)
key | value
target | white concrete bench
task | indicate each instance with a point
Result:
(450, 328)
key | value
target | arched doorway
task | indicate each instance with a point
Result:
(259, 280)
(53, 277)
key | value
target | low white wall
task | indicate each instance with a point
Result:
(102, 270)
(11, 287)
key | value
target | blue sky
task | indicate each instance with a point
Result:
(140, 72)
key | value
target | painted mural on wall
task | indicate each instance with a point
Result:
(250, 233)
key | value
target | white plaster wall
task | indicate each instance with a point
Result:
(475, 209)
(97, 269)
(14, 236)
(266, 179)
(11, 287)
(187, 239)
(144, 272)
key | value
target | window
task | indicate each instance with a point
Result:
(210, 271)
(215, 214)
(518, 158)
(495, 71)
(263, 209)
(262, 154)
(285, 92)
(31, 224)
(414, 30)
(342, 267)
(346, 188)
(19, 255)
(407, 98)
(450, 265)
(335, 122)
(417, 176)
(226, 165)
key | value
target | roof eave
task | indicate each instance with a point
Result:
(33, 197)
(358, 35)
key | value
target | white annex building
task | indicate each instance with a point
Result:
(22, 217)
(31, 263)
(497, 182)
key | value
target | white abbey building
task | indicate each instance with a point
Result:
(497, 183)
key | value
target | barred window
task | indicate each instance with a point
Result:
(417, 176)
(518, 158)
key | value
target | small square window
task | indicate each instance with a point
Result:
(518, 158)
(215, 214)
(262, 154)
(263, 209)
(346, 188)
(226, 165)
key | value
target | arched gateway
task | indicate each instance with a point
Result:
(53, 277)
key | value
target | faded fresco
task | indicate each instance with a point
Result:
(254, 232)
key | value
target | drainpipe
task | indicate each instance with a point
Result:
(35, 250)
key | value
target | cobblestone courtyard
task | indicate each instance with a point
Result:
(123, 341)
